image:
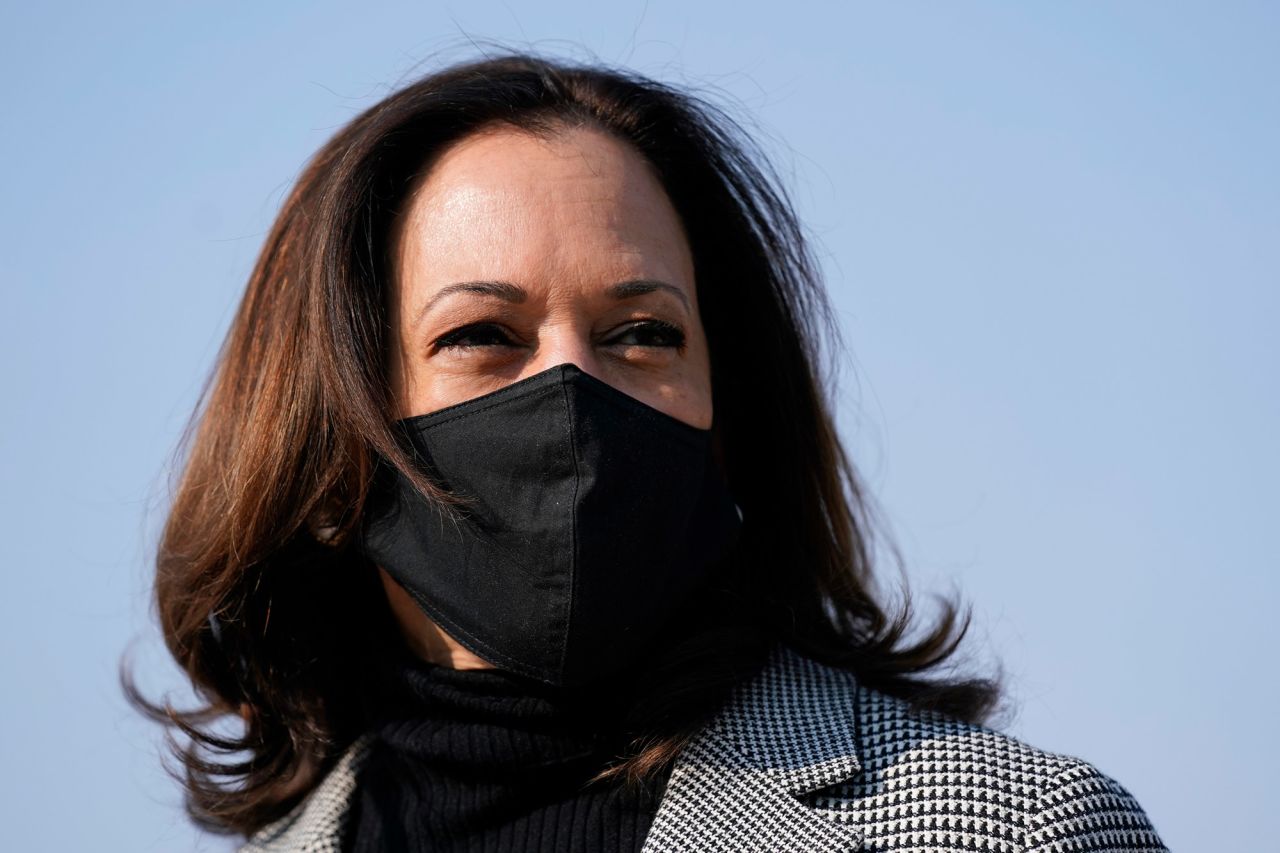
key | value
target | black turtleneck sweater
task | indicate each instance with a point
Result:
(484, 760)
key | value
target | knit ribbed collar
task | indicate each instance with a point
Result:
(489, 723)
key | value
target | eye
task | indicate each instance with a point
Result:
(474, 335)
(651, 333)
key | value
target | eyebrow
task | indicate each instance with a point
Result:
(641, 286)
(516, 294)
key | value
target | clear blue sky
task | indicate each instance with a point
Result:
(1052, 232)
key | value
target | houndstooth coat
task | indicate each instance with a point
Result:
(803, 758)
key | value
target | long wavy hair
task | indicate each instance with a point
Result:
(272, 613)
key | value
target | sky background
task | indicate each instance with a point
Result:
(1051, 232)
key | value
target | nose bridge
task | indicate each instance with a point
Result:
(562, 343)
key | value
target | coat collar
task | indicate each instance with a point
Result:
(789, 730)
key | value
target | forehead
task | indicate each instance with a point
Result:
(505, 203)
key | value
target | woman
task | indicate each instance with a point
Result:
(516, 519)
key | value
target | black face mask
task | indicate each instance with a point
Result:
(593, 518)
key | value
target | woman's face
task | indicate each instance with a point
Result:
(517, 253)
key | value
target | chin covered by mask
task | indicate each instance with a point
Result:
(590, 518)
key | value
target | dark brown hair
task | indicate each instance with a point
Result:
(268, 609)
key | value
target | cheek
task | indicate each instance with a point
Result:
(696, 403)
(429, 388)
(400, 377)
(416, 388)
(699, 413)
(409, 384)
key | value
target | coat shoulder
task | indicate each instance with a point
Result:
(928, 781)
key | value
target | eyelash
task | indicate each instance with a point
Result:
(453, 340)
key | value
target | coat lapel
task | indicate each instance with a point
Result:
(788, 731)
